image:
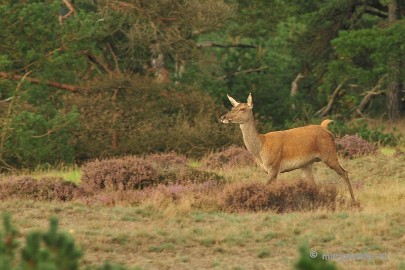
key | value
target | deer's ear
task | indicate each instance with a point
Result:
(250, 100)
(233, 101)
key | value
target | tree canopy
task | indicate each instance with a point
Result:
(84, 79)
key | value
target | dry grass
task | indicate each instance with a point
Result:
(177, 234)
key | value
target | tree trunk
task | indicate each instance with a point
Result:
(394, 85)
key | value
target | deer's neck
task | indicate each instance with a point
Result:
(251, 138)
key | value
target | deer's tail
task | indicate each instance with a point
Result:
(325, 123)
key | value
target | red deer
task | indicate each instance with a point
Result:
(282, 151)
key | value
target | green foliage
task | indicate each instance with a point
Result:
(42, 250)
(229, 71)
(8, 243)
(35, 139)
(50, 250)
(361, 128)
(306, 262)
(110, 52)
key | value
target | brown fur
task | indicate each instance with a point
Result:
(287, 150)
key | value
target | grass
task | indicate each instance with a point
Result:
(70, 173)
(177, 236)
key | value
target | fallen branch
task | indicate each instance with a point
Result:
(252, 70)
(214, 44)
(69, 87)
(325, 110)
(368, 95)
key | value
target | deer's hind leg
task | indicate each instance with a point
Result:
(334, 165)
(272, 172)
(307, 174)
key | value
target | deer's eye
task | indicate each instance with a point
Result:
(242, 110)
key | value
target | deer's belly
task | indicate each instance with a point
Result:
(293, 164)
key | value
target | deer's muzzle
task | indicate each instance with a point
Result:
(224, 119)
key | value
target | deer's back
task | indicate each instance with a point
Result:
(303, 144)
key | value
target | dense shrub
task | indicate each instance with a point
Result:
(47, 188)
(251, 196)
(135, 115)
(281, 196)
(131, 172)
(353, 146)
(231, 157)
(126, 173)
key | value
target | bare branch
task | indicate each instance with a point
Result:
(95, 60)
(368, 95)
(325, 110)
(252, 70)
(49, 132)
(376, 12)
(69, 87)
(214, 44)
(117, 67)
(67, 15)
(294, 84)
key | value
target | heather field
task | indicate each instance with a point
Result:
(217, 213)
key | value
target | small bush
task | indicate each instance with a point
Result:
(353, 146)
(231, 157)
(114, 174)
(251, 196)
(167, 160)
(312, 260)
(281, 196)
(44, 189)
(49, 249)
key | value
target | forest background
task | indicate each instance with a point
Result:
(91, 79)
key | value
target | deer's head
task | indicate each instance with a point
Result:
(240, 112)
